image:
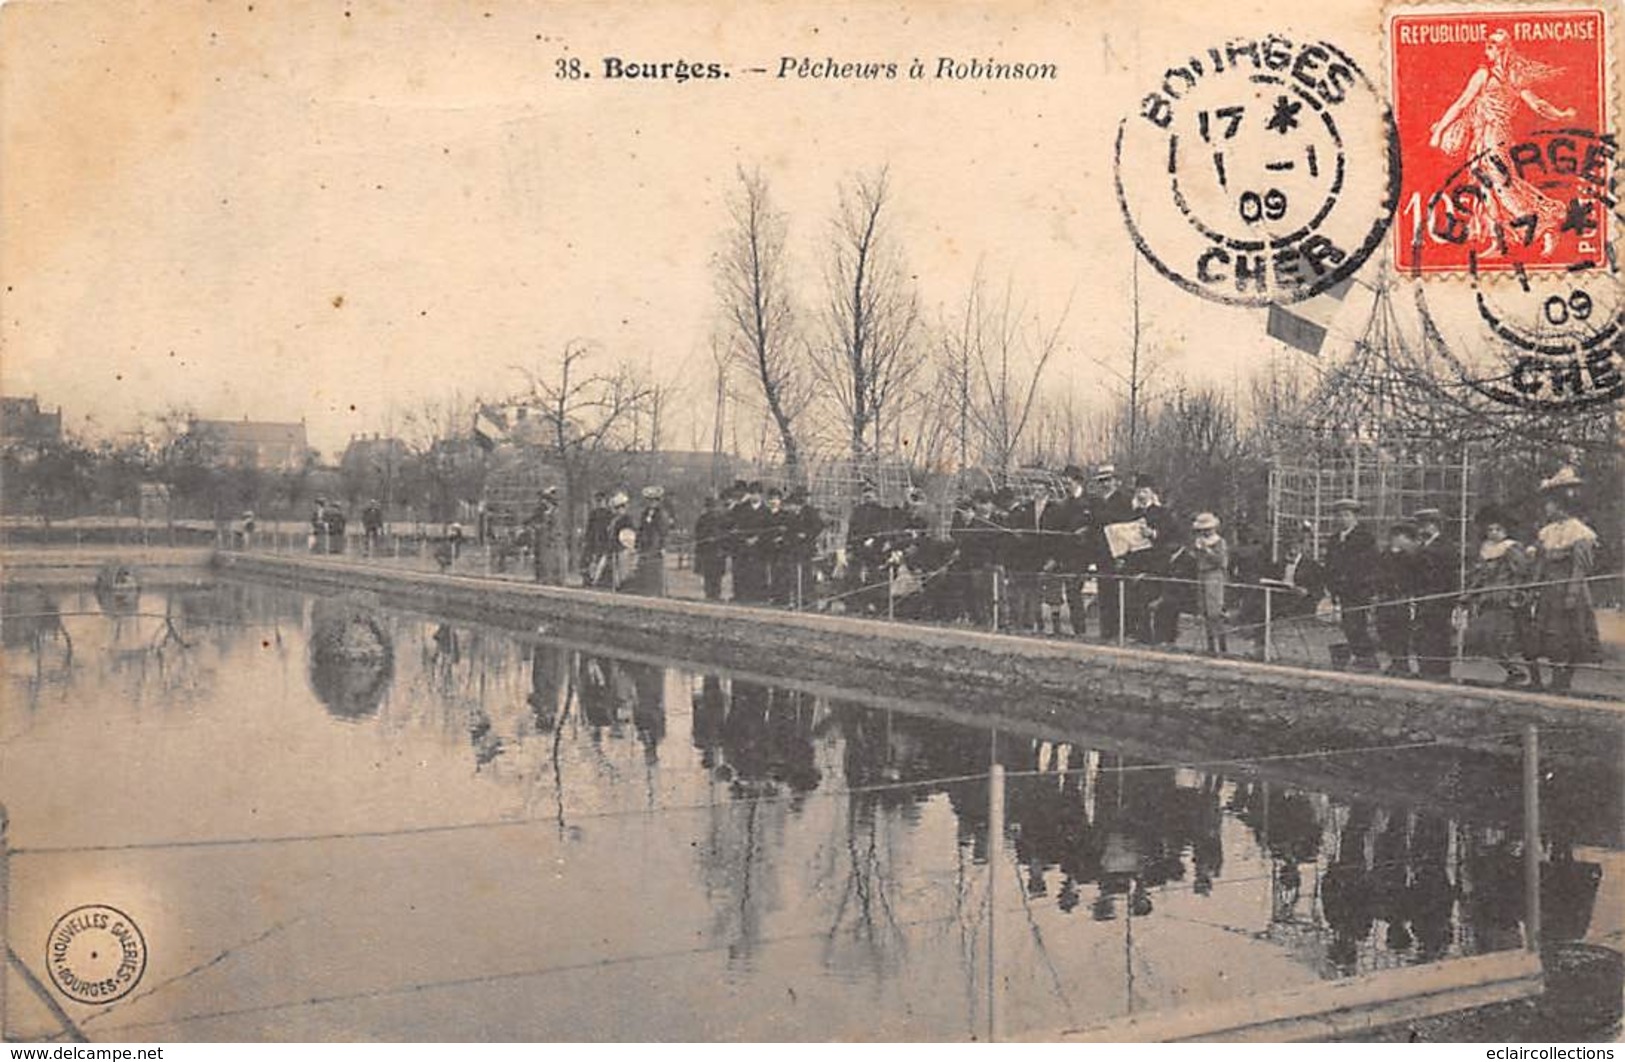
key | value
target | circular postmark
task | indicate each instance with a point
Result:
(1261, 171)
(1539, 325)
(96, 954)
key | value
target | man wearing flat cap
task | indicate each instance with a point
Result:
(1070, 524)
(1112, 506)
(1351, 556)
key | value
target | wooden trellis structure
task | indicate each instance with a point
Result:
(1360, 437)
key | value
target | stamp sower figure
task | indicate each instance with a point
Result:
(1351, 556)
(710, 548)
(1564, 620)
(1479, 126)
(1500, 626)
(1212, 567)
(1435, 591)
(1396, 582)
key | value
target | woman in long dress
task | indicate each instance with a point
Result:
(1564, 621)
(1212, 565)
(1499, 601)
(1479, 125)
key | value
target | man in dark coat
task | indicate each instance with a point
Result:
(781, 570)
(805, 527)
(976, 536)
(1351, 557)
(866, 533)
(1396, 581)
(1023, 561)
(710, 554)
(1112, 506)
(595, 538)
(1436, 589)
(1070, 524)
(1148, 567)
(749, 528)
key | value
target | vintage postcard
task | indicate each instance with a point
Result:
(547, 520)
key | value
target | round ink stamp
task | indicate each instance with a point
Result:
(1526, 331)
(96, 954)
(1259, 172)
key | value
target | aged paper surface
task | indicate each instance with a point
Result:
(371, 218)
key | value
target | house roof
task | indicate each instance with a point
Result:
(252, 431)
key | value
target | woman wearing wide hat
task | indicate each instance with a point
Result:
(1566, 556)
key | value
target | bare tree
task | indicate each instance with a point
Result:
(995, 356)
(869, 353)
(754, 289)
(587, 415)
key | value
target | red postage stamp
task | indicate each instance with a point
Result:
(1503, 137)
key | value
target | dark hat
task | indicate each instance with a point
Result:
(1342, 504)
(1403, 527)
(1492, 514)
(1143, 479)
(740, 484)
(774, 492)
(753, 487)
(1073, 472)
(1428, 515)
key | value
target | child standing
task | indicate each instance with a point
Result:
(1212, 562)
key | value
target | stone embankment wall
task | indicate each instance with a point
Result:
(1045, 681)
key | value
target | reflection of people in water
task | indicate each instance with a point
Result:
(602, 690)
(1479, 125)
(546, 676)
(648, 705)
(710, 709)
(1345, 892)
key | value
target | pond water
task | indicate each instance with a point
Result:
(404, 828)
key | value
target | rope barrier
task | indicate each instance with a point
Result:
(485, 824)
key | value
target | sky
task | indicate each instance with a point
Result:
(339, 212)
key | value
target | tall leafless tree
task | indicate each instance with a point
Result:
(869, 351)
(754, 288)
(588, 416)
(995, 356)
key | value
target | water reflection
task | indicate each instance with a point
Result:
(762, 815)
(352, 657)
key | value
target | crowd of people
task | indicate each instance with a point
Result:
(1042, 561)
